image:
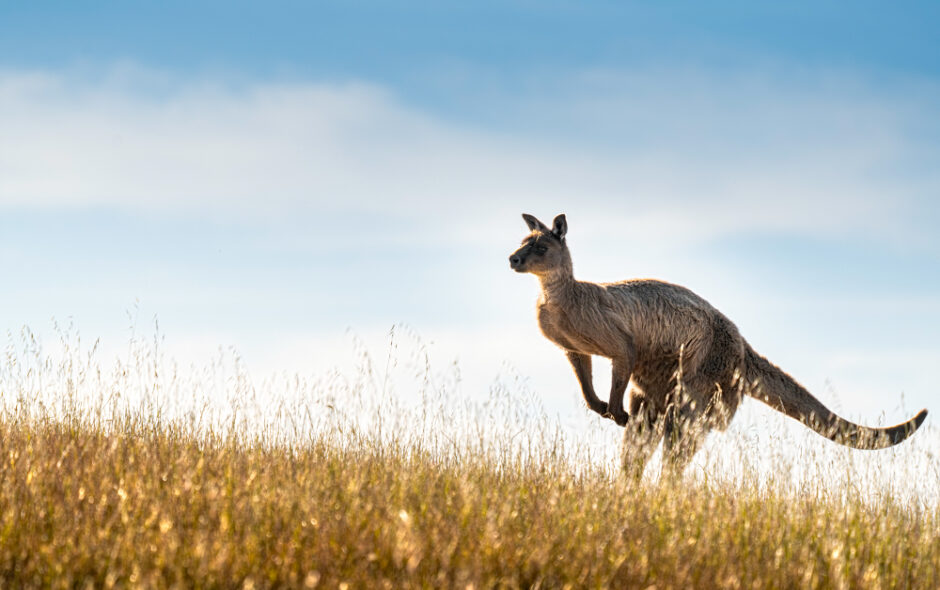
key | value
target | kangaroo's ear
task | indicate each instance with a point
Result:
(534, 224)
(560, 227)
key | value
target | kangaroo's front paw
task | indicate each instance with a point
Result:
(621, 417)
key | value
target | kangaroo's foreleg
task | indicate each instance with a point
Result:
(581, 363)
(622, 368)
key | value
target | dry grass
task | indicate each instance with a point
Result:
(123, 490)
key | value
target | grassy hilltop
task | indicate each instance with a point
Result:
(123, 492)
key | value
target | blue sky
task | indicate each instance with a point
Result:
(269, 175)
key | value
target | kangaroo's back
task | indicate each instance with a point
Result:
(667, 316)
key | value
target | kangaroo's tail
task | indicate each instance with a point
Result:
(769, 384)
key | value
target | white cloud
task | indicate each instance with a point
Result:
(689, 154)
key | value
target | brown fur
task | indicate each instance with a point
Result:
(685, 363)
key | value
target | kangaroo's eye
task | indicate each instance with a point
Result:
(540, 249)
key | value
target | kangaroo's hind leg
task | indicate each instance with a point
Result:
(641, 436)
(685, 427)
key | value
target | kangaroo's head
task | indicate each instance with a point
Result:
(543, 252)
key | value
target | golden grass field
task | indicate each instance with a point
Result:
(144, 485)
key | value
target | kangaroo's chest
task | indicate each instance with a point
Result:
(568, 331)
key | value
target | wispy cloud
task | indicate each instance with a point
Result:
(692, 154)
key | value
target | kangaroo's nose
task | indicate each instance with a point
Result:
(514, 261)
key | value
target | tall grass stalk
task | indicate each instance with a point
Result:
(140, 474)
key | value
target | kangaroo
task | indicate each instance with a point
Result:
(686, 365)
